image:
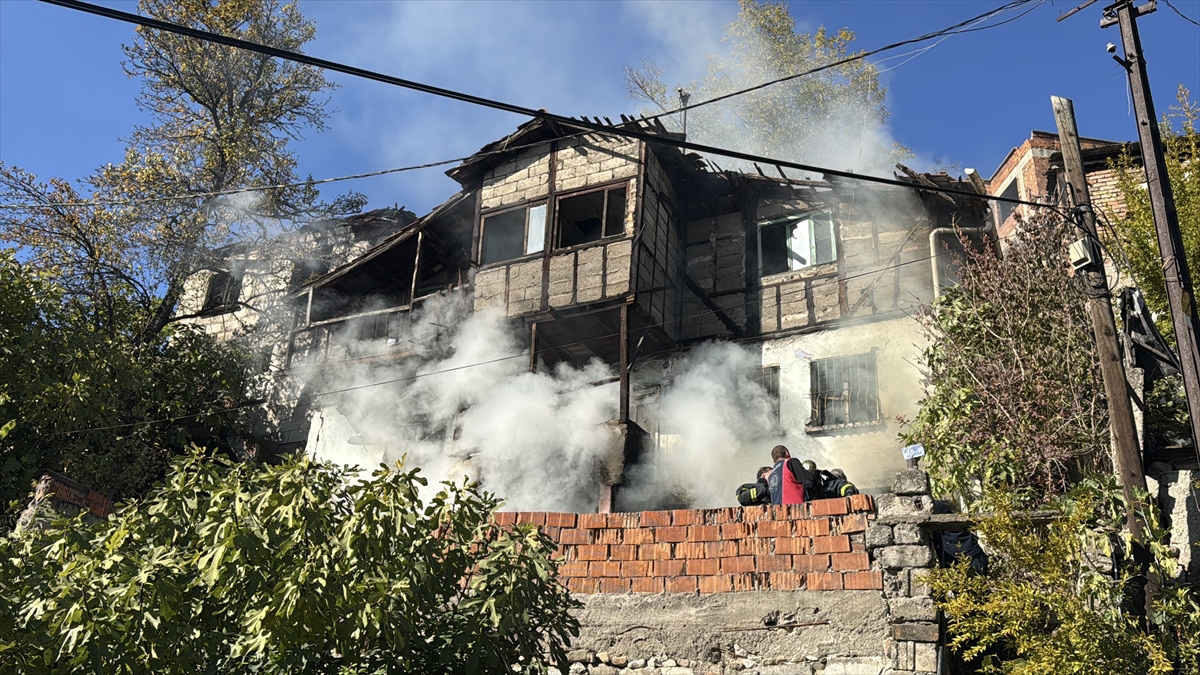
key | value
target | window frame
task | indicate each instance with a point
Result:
(226, 299)
(623, 184)
(528, 208)
(866, 390)
(813, 216)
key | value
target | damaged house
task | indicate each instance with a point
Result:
(596, 246)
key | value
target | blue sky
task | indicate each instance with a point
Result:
(65, 102)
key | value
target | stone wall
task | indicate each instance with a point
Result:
(825, 587)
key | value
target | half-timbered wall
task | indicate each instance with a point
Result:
(657, 247)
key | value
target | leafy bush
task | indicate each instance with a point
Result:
(299, 567)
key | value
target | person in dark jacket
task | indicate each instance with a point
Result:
(953, 545)
(789, 482)
(749, 494)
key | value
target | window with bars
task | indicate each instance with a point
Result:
(845, 392)
(223, 291)
(768, 377)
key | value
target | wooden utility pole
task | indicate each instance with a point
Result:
(1180, 291)
(1120, 411)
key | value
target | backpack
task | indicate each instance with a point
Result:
(749, 494)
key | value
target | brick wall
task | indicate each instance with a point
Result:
(816, 546)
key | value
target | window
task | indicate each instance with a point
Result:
(1005, 209)
(223, 291)
(768, 377)
(306, 270)
(795, 242)
(845, 392)
(591, 216)
(514, 233)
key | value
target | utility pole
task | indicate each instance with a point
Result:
(1180, 291)
(1089, 266)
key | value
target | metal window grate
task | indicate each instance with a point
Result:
(768, 377)
(845, 392)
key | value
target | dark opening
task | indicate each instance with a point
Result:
(1005, 209)
(223, 291)
(591, 217)
(503, 236)
(306, 270)
(774, 248)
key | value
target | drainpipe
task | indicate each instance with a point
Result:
(986, 231)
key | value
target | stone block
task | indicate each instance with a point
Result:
(908, 533)
(913, 482)
(916, 631)
(926, 657)
(857, 665)
(898, 505)
(912, 609)
(898, 557)
(878, 536)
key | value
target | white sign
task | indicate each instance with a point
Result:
(914, 451)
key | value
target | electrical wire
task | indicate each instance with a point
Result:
(409, 378)
(622, 131)
(1185, 16)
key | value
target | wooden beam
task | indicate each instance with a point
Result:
(713, 307)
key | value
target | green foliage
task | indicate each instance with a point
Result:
(1051, 603)
(1014, 398)
(1135, 227)
(830, 116)
(299, 567)
(60, 374)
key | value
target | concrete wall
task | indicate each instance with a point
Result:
(820, 587)
(870, 456)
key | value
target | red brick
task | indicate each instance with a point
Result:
(735, 531)
(636, 568)
(863, 581)
(792, 511)
(531, 517)
(721, 583)
(504, 518)
(667, 568)
(830, 507)
(791, 545)
(852, 524)
(818, 527)
(774, 528)
(560, 519)
(672, 534)
(622, 552)
(654, 551)
(720, 549)
(785, 581)
(608, 536)
(858, 546)
(773, 563)
(700, 567)
(575, 537)
(552, 532)
(690, 549)
(825, 581)
(646, 585)
(656, 518)
(623, 521)
(577, 585)
(687, 517)
(614, 585)
(704, 533)
(731, 514)
(604, 568)
(743, 563)
(593, 521)
(851, 562)
(681, 585)
(836, 544)
(638, 535)
(573, 569)
(861, 503)
(591, 552)
(810, 563)
(754, 546)
(744, 582)
(753, 514)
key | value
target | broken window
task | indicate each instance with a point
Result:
(795, 242)
(591, 216)
(223, 291)
(768, 377)
(845, 392)
(306, 270)
(513, 234)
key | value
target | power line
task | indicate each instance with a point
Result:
(417, 376)
(1176, 10)
(952, 30)
(509, 107)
